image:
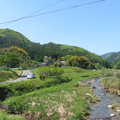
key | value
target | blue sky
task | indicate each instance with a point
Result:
(94, 27)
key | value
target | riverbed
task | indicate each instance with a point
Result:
(100, 110)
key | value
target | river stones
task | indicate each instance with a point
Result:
(112, 115)
(109, 106)
(118, 110)
(89, 95)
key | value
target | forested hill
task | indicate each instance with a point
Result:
(37, 52)
(106, 54)
(114, 57)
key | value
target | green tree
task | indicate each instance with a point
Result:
(81, 61)
(118, 65)
(55, 64)
(2, 59)
(11, 60)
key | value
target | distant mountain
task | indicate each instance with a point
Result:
(37, 51)
(114, 57)
(106, 54)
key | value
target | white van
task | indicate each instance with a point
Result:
(31, 75)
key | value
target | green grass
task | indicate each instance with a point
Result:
(112, 84)
(5, 116)
(9, 75)
(65, 100)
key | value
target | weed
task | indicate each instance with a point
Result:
(93, 87)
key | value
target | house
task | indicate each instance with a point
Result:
(43, 63)
(49, 63)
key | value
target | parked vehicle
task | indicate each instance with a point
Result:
(31, 75)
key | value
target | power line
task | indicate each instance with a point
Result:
(30, 15)
(8, 22)
(67, 8)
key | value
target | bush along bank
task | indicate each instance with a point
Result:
(20, 88)
(112, 84)
(66, 100)
(9, 75)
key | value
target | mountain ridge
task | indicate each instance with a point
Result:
(106, 54)
(37, 51)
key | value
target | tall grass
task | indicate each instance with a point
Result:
(5, 116)
(62, 101)
(9, 75)
(112, 84)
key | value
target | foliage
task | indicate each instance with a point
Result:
(50, 71)
(94, 87)
(11, 60)
(112, 84)
(2, 59)
(37, 52)
(42, 77)
(106, 55)
(20, 50)
(81, 61)
(117, 75)
(118, 65)
(114, 57)
(69, 96)
(5, 116)
(8, 75)
(55, 64)
(14, 57)
(19, 88)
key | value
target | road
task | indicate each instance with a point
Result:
(22, 78)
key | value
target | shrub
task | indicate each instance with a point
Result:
(50, 71)
(60, 64)
(20, 88)
(55, 64)
(118, 65)
(94, 87)
(117, 75)
(42, 77)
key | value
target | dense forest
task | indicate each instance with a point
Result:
(15, 57)
(106, 54)
(37, 51)
(114, 57)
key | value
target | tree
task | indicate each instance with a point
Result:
(55, 64)
(46, 59)
(11, 60)
(2, 59)
(118, 65)
(81, 61)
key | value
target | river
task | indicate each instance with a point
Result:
(100, 110)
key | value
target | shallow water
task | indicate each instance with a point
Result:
(100, 109)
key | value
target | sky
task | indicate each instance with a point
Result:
(94, 27)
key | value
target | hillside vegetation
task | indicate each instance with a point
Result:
(106, 54)
(37, 52)
(9, 75)
(114, 57)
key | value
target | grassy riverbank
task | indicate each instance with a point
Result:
(9, 75)
(112, 84)
(61, 101)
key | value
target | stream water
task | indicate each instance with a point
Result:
(100, 110)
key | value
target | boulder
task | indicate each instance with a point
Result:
(109, 106)
(118, 110)
(89, 95)
(112, 115)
